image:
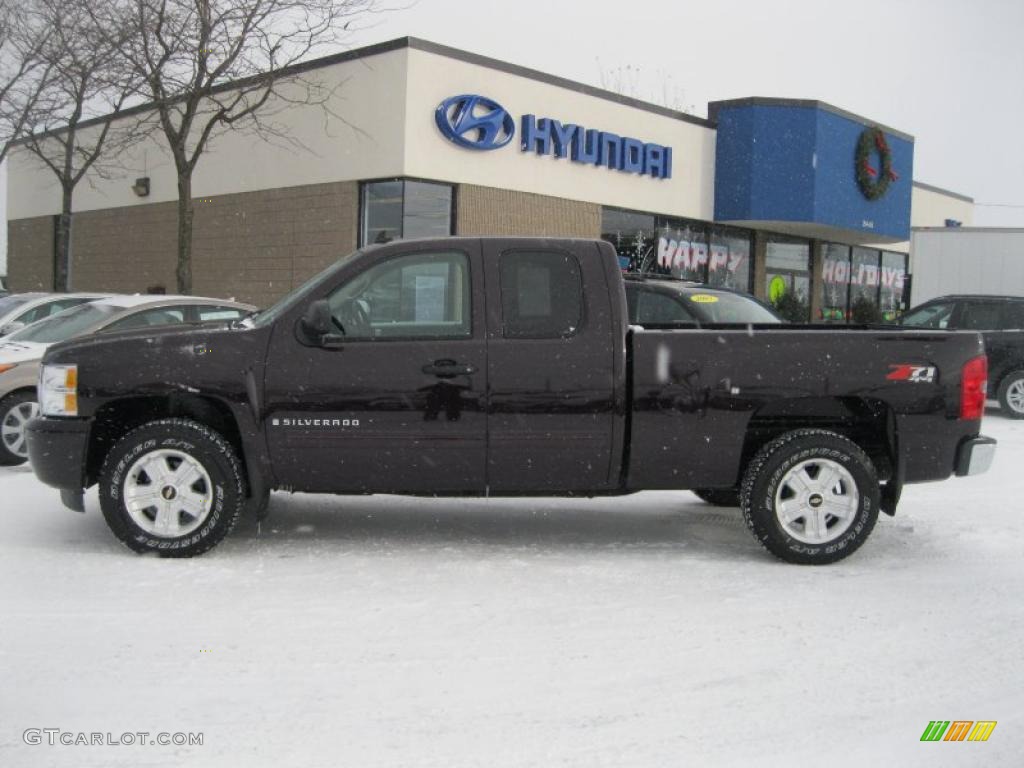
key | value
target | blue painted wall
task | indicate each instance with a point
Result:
(796, 164)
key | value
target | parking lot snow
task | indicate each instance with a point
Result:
(649, 630)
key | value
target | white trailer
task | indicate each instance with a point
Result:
(971, 260)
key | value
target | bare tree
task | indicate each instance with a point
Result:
(214, 65)
(86, 79)
(23, 71)
(629, 80)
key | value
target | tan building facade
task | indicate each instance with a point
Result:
(269, 214)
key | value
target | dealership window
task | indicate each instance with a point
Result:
(893, 285)
(631, 233)
(865, 277)
(835, 283)
(689, 250)
(681, 250)
(788, 277)
(729, 262)
(403, 209)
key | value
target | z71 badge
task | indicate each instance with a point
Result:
(919, 374)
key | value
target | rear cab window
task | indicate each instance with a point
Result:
(541, 294)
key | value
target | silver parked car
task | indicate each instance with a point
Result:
(18, 310)
(21, 352)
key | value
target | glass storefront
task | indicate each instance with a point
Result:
(835, 283)
(893, 285)
(788, 277)
(682, 250)
(861, 285)
(631, 233)
(730, 263)
(858, 285)
(864, 286)
(403, 208)
(688, 250)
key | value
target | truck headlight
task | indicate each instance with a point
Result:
(58, 390)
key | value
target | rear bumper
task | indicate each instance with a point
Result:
(57, 451)
(974, 456)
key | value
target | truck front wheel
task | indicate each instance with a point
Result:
(173, 487)
(810, 497)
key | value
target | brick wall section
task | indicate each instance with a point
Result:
(253, 246)
(124, 250)
(257, 246)
(490, 211)
(30, 254)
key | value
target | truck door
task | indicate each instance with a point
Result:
(395, 402)
(551, 368)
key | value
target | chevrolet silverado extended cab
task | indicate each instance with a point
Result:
(503, 366)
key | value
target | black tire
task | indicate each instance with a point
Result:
(768, 478)
(1012, 408)
(198, 443)
(12, 448)
(719, 497)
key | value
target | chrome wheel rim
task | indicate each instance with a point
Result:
(168, 493)
(1015, 396)
(12, 431)
(817, 501)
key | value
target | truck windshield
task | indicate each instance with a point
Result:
(269, 315)
(65, 325)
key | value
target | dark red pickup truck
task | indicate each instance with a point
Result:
(504, 366)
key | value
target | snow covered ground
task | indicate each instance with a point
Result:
(647, 631)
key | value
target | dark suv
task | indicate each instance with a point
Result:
(1001, 322)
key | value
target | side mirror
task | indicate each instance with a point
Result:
(317, 325)
(317, 320)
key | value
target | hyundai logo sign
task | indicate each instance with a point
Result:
(475, 122)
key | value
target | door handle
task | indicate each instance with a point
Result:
(446, 369)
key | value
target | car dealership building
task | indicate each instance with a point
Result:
(796, 201)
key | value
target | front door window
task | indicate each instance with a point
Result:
(424, 295)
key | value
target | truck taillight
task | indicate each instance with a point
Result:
(973, 383)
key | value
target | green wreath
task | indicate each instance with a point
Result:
(873, 183)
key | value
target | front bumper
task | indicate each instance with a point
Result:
(973, 457)
(57, 451)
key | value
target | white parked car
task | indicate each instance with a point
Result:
(18, 310)
(21, 352)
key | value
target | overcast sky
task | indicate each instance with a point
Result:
(949, 73)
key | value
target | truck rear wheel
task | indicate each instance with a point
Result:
(810, 497)
(719, 497)
(1011, 395)
(173, 487)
